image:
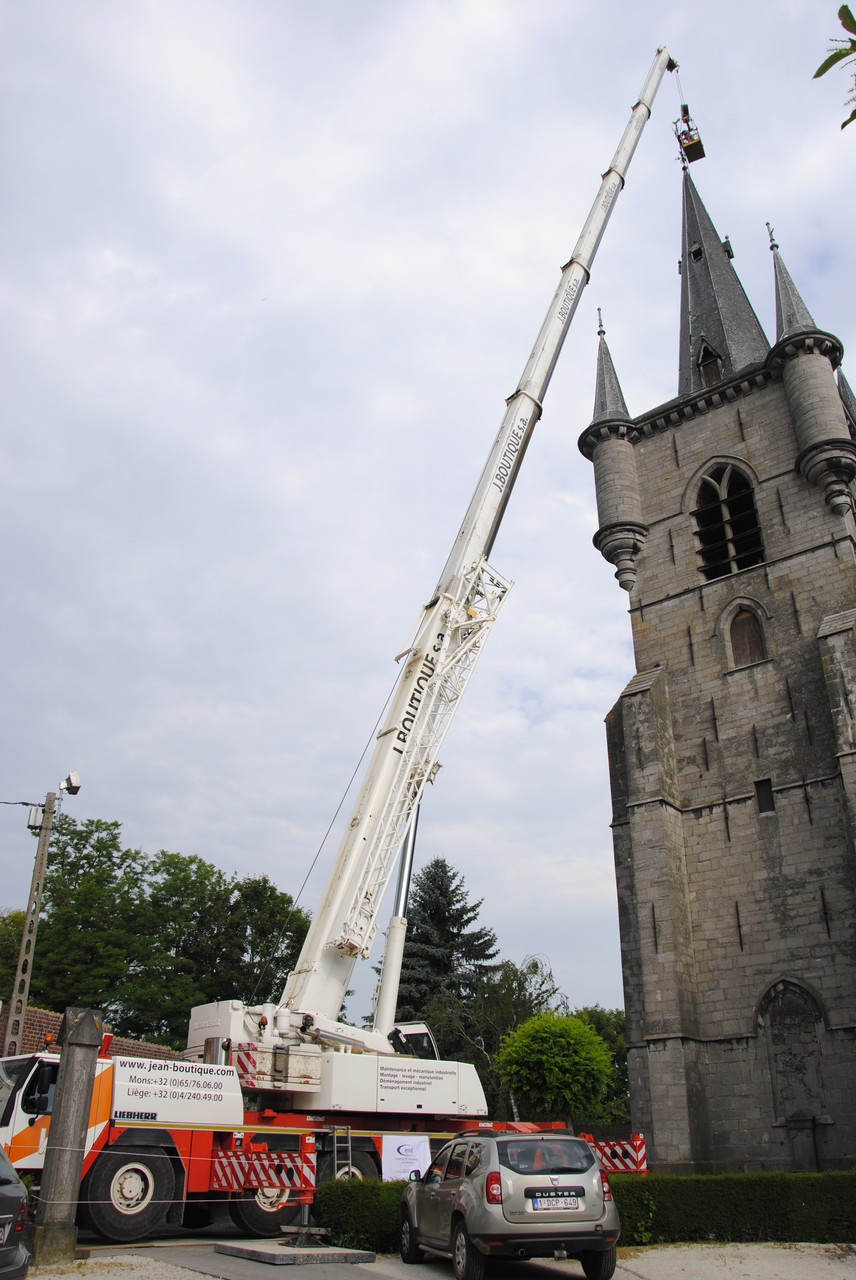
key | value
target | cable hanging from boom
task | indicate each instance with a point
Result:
(686, 131)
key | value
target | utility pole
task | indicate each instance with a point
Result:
(55, 1235)
(40, 820)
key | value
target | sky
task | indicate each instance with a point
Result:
(269, 271)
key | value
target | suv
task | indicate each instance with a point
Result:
(14, 1259)
(534, 1195)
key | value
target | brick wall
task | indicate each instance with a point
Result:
(41, 1022)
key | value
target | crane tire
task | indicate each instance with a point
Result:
(263, 1213)
(127, 1192)
(362, 1166)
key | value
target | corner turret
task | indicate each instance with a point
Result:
(807, 358)
(606, 442)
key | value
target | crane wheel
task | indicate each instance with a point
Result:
(262, 1213)
(128, 1192)
(362, 1166)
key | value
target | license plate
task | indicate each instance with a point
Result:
(4, 1228)
(555, 1202)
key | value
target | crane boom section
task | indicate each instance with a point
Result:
(449, 639)
(485, 512)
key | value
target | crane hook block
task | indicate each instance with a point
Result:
(688, 137)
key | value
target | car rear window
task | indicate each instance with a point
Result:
(540, 1155)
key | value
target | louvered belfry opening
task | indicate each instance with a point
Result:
(727, 528)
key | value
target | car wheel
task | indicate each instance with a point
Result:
(407, 1246)
(600, 1265)
(467, 1262)
(128, 1193)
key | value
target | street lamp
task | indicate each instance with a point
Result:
(39, 819)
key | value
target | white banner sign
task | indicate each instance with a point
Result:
(156, 1091)
(403, 1152)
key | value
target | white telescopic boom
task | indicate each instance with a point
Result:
(481, 523)
(448, 641)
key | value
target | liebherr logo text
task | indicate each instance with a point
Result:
(426, 675)
(509, 453)
(136, 1115)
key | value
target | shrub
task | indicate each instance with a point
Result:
(660, 1209)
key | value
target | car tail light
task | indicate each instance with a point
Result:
(493, 1189)
(607, 1189)
(21, 1220)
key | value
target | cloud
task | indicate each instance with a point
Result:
(270, 273)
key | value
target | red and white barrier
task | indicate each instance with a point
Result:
(620, 1156)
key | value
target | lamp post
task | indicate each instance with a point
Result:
(41, 820)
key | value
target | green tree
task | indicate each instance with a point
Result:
(11, 930)
(213, 937)
(184, 917)
(89, 935)
(445, 953)
(505, 997)
(269, 931)
(555, 1068)
(614, 1107)
(843, 50)
(146, 938)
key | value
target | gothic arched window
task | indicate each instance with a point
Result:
(727, 528)
(747, 638)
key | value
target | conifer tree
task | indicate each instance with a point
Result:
(445, 953)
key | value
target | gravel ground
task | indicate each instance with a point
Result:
(674, 1262)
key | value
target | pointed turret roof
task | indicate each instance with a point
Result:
(847, 397)
(720, 333)
(609, 402)
(792, 315)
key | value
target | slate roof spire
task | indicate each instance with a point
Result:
(847, 397)
(609, 403)
(720, 333)
(792, 315)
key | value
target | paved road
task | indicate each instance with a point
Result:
(169, 1260)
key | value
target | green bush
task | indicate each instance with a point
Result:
(360, 1215)
(669, 1208)
(659, 1209)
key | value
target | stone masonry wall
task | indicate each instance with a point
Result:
(738, 924)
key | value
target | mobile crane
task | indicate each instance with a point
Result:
(299, 1077)
(296, 1054)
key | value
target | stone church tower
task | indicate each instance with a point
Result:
(729, 516)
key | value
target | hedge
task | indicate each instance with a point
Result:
(360, 1215)
(677, 1208)
(659, 1209)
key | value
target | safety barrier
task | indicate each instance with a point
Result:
(620, 1156)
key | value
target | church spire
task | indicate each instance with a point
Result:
(609, 403)
(792, 315)
(847, 397)
(720, 333)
